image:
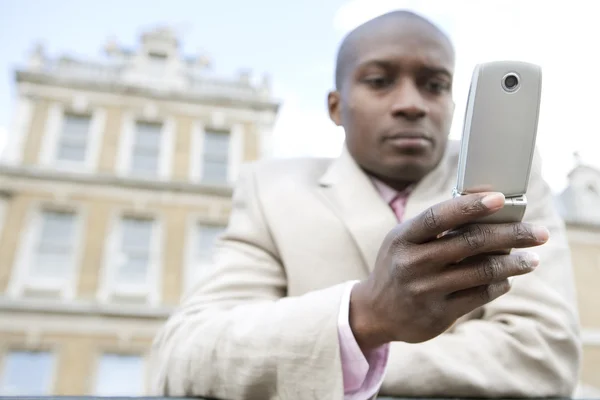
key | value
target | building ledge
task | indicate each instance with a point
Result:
(79, 307)
(91, 178)
(114, 86)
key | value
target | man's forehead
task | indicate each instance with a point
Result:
(403, 32)
(402, 40)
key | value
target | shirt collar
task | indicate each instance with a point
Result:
(387, 193)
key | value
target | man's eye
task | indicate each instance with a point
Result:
(377, 82)
(437, 86)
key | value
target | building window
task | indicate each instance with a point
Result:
(73, 141)
(53, 251)
(132, 260)
(146, 149)
(215, 157)
(46, 261)
(120, 375)
(201, 249)
(136, 237)
(27, 373)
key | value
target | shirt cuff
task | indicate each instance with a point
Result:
(362, 372)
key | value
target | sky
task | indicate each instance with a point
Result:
(295, 43)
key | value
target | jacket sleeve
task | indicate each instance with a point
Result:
(237, 336)
(524, 344)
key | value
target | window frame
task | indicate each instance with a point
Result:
(111, 291)
(53, 134)
(22, 280)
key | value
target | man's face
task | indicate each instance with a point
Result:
(395, 101)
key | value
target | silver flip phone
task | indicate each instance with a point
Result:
(499, 134)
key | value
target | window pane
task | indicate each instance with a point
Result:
(50, 263)
(133, 270)
(26, 374)
(135, 250)
(206, 236)
(68, 152)
(137, 233)
(215, 157)
(120, 375)
(214, 172)
(57, 227)
(148, 135)
(216, 143)
(54, 247)
(144, 164)
(146, 148)
(74, 137)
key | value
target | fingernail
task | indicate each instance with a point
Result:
(533, 259)
(493, 201)
(541, 233)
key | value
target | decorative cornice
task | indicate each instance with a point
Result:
(35, 173)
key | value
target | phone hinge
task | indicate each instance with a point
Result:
(513, 210)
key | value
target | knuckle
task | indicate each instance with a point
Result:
(502, 287)
(523, 263)
(431, 220)
(471, 207)
(437, 315)
(497, 289)
(474, 237)
(486, 294)
(522, 232)
(397, 240)
(490, 269)
(417, 289)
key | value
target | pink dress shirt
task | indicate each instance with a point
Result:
(363, 372)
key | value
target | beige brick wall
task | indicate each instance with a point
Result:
(33, 142)
(173, 260)
(590, 373)
(251, 142)
(183, 145)
(110, 143)
(586, 261)
(96, 232)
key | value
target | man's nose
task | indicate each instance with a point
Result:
(408, 101)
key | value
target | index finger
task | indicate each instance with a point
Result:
(450, 214)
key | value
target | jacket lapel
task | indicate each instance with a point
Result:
(352, 196)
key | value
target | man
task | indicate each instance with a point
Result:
(356, 276)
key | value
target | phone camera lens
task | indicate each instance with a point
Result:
(510, 82)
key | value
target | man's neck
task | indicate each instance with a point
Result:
(397, 185)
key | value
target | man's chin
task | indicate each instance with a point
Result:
(411, 170)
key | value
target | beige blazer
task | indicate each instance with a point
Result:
(264, 324)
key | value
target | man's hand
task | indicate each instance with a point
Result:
(437, 267)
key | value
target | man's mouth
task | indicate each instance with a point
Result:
(409, 140)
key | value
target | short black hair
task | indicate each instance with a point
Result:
(345, 50)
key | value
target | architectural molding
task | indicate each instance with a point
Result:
(79, 308)
(24, 174)
(253, 102)
(18, 131)
(590, 337)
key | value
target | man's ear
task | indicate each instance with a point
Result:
(333, 105)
